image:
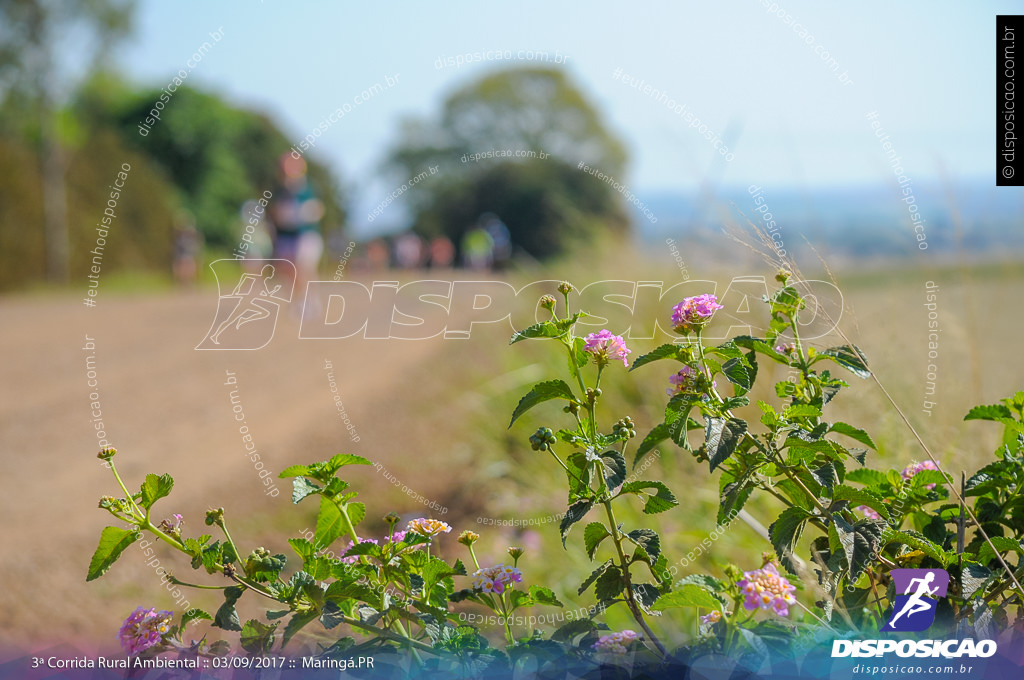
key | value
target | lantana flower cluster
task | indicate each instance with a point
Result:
(686, 381)
(427, 527)
(694, 312)
(143, 629)
(496, 579)
(605, 346)
(765, 588)
(616, 642)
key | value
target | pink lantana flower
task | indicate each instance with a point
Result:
(606, 346)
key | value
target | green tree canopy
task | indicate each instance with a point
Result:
(545, 201)
(217, 155)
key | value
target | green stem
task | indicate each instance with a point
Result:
(624, 566)
(141, 515)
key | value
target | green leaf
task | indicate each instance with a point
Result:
(113, 541)
(579, 357)
(851, 358)
(256, 637)
(991, 412)
(648, 540)
(541, 392)
(194, 615)
(296, 623)
(660, 501)
(330, 523)
(614, 468)
(721, 437)
(667, 351)
(574, 514)
(801, 411)
(155, 488)
(854, 433)
(226, 617)
(859, 542)
(1002, 544)
(738, 372)
(919, 541)
(594, 575)
(867, 477)
(593, 535)
(659, 434)
(785, 532)
(301, 487)
(689, 595)
(610, 584)
(544, 329)
(542, 595)
(861, 497)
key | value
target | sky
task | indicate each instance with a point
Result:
(756, 79)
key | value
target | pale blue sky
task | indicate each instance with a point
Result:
(925, 67)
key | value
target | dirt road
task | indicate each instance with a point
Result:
(166, 408)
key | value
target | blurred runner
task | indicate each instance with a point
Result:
(477, 249)
(499, 233)
(442, 253)
(409, 251)
(296, 213)
(188, 244)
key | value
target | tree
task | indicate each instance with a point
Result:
(218, 155)
(31, 32)
(546, 202)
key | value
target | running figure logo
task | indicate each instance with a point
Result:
(916, 593)
(247, 316)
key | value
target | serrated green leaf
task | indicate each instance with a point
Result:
(919, 541)
(854, 433)
(541, 392)
(859, 542)
(155, 488)
(861, 497)
(660, 501)
(851, 358)
(721, 437)
(801, 411)
(990, 412)
(614, 468)
(738, 372)
(659, 434)
(689, 595)
(610, 584)
(296, 623)
(227, 617)
(593, 535)
(542, 595)
(594, 575)
(647, 539)
(785, 532)
(113, 541)
(257, 637)
(867, 476)
(575, 513)
(194, 614)
(302, 487)
(666, 351)
(330, 523)
(544, 329)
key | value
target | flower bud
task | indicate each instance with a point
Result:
(106, 502)
(515, 552)
(565, 288)
(547, 302)
(107, 453)
(392, 518)
(468, 538)
(783, 275)
(215, 517)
